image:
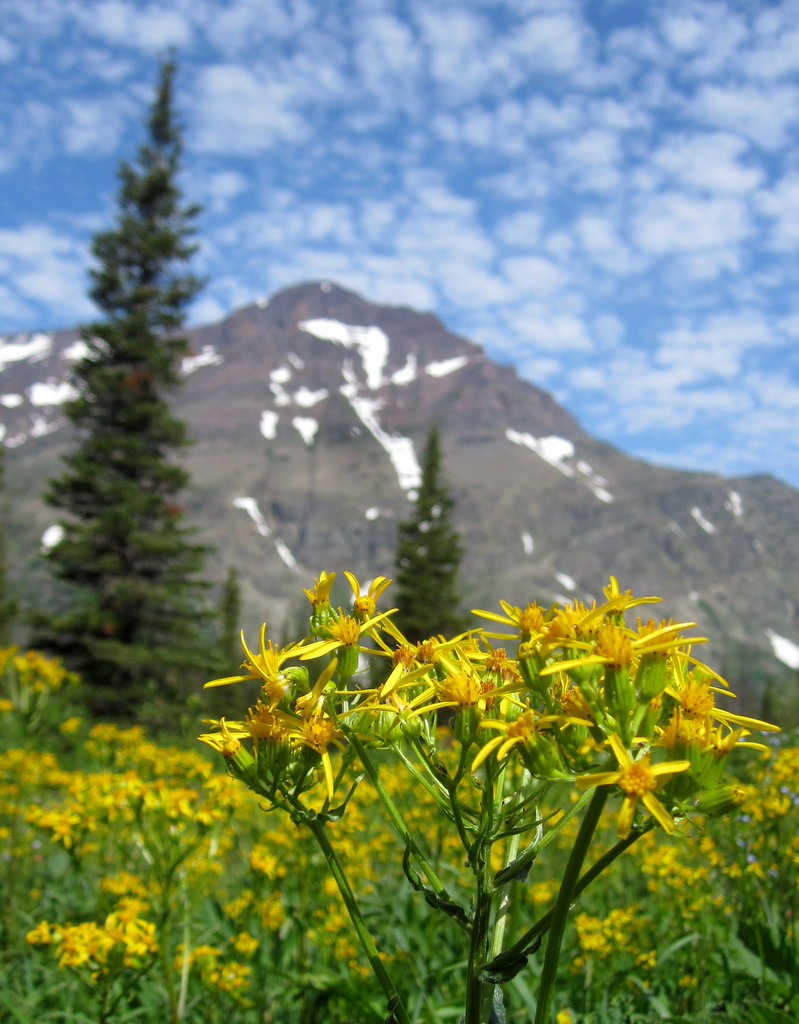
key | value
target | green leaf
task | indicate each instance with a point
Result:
(508, 969)
(763, 1014)
(497, 1015)
(439, 901)
(336, 813)
(518, 869)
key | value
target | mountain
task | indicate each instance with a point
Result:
(309, 412)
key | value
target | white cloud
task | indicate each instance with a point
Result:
(95, 126)
(238, 112)
(46, 268)
(130, 24)
(671, 222)
(534, 275)
(763, 115)
(708, 161)
(715, 349)
(781, 204)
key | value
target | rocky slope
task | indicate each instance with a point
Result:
(309, 414)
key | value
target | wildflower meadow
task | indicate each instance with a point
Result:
(555, 816)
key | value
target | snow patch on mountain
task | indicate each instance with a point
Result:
(734, 504)
(277, 378)
(306, 427)
(400, 449)
(268, 425)
(250, 506)
(698, 518)
(207, 357)
(51, 393)
(40, 426)
(11, 401)
(553, 450)
(407, 374)
(445, 366)
(785, 650)
(371, 343)
(77, 350)
(306, 398)
(286, 556)
(52, 535)
(527, 542)
(34, 349)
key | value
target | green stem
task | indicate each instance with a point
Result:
(184, 967)
(391, 810)
(317, 828)
(479, 993)
(512, 852)
(541, 927)
(454, 803)
(565, 896)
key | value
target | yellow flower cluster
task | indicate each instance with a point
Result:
(231, 977)
(586, 698)
(601, 937)
(124, 936)
(27, 679)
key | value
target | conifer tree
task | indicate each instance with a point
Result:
(126, 550)
(230, 615)
(429, 556)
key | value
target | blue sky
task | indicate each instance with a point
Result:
(605, 194)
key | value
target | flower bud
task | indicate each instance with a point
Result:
(540, 757)
(530, 663)
(722, 800)
(240, 761)
(297, 676)
(619, 691)
(347, 661)
(650, 679)
(464, 725)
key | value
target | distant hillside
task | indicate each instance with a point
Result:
(309, 414)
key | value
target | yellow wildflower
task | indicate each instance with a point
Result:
(637, 779)
(320, 594)
(364, 604)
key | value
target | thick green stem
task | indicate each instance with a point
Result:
(541, 927)
(512, 852)
(391, 810)
(317, 828)
(565, 896)
(479, 993)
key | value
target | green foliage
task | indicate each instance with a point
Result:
(132, 616)
(154, 834)
(229, 615)
(429, 556)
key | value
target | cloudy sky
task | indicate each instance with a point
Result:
(605, 194)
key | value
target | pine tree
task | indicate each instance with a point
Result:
(429, 556)
(126, 551)
(230, 616)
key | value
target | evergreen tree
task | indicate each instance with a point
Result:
(126, 550)
(230, 614)
(429, 556)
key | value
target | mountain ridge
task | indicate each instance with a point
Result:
(309, 412)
